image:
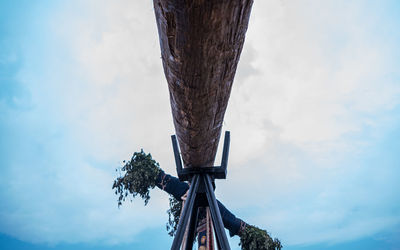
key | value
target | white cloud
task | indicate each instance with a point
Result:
(311, 91)
(320, 98)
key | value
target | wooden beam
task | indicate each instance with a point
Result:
(201, 42)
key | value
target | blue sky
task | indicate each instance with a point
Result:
(314, 117)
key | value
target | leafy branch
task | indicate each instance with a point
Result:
(140, 175)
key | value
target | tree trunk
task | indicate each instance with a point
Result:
(201, 42)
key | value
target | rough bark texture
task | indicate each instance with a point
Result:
(201, 42)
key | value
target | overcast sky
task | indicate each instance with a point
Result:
(314, 117)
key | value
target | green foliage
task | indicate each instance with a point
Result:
(174, 213)
(253, 238)
(140, 175)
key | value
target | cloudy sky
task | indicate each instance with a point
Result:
(314, 117)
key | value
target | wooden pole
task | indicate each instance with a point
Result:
(201, 42)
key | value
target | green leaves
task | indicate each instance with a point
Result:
(174, 213)
(253, 238)
(140, 175)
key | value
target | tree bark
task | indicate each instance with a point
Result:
(201, 42)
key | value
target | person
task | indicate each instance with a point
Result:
(143, 173)
(178, 189)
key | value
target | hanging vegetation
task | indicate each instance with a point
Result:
(174, 212)
(253, 238)
(140, 175)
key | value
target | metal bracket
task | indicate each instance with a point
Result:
(217, 172)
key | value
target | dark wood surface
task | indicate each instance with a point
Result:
(201, 42)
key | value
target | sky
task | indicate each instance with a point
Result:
(314, 116)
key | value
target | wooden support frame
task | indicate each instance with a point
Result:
(200, 194)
